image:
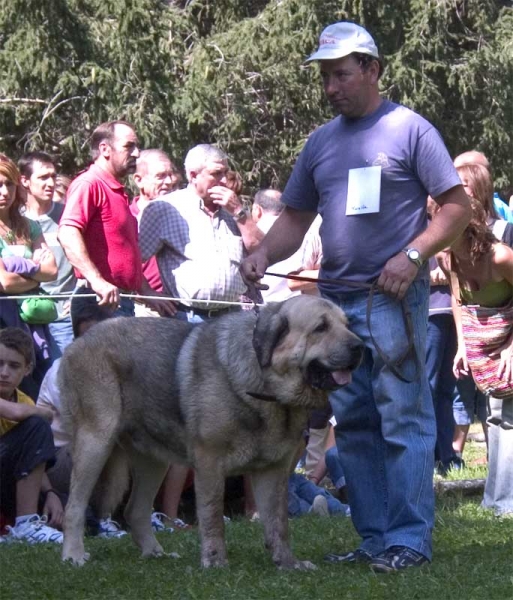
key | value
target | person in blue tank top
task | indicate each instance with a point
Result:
(368, 173)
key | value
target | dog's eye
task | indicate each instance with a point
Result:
(321, 327)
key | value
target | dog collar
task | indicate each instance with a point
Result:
(265, 397)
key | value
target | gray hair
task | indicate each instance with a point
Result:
(269, 201)
(198, 157)
(146, 156)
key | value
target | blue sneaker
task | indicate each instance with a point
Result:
(397, 558)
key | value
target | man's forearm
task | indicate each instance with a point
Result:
(73, 244)
(251, 234)
(447, 224)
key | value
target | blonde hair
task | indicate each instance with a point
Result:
(19, 224)
(234, 182)
(477, 236)
(480, 181)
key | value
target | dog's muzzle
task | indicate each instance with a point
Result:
(323, 377)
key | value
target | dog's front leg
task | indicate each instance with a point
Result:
(271, 492)
(209, 487)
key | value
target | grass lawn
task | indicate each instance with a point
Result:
(473, 559)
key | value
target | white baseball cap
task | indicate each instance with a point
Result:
(344, 38)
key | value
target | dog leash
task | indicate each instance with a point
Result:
(394, 366)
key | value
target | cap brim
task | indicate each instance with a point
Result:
(327, 54)
(334, 53)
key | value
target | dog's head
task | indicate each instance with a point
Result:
(309, 334)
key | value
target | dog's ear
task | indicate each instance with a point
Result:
(269, 330)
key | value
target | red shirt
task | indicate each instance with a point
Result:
(150, 267)
(98, 206)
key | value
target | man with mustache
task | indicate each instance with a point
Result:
(97, 230)
(368, 173)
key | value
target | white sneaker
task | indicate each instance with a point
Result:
(157, 522)
(107, 528)
(178, 524)
(35, 531)
(320, 506)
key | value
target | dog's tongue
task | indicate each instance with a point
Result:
(341, 377)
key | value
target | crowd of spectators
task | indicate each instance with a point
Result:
(175, 251)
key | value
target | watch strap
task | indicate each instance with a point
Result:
(240, 215)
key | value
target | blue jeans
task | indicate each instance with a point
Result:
(126, 308)
(61, 336)
(302, 493)
(440, 352)
(334, 466)
(386, 428)
(469, 402)
(191, 317)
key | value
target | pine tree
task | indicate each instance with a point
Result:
(232, 72)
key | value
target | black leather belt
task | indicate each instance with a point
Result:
(208, 313)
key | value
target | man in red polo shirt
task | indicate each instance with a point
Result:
(97, 230)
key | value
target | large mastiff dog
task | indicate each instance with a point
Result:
(229, 396)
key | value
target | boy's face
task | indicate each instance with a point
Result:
(13, 369)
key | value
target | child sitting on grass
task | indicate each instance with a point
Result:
(26, 448)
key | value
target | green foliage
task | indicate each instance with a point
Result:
(71, 65)
(453, 66)
(232, 72)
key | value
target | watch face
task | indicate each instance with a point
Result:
(414, 254)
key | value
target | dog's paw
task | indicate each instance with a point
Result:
(305, 565)
(299, 565)
(213, 562)
(154, 552)
(78, 560)
(213, 555)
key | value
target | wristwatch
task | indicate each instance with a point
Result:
(414, 255)
(240, 215)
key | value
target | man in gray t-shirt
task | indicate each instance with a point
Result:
(38, 178)
(368, 172)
